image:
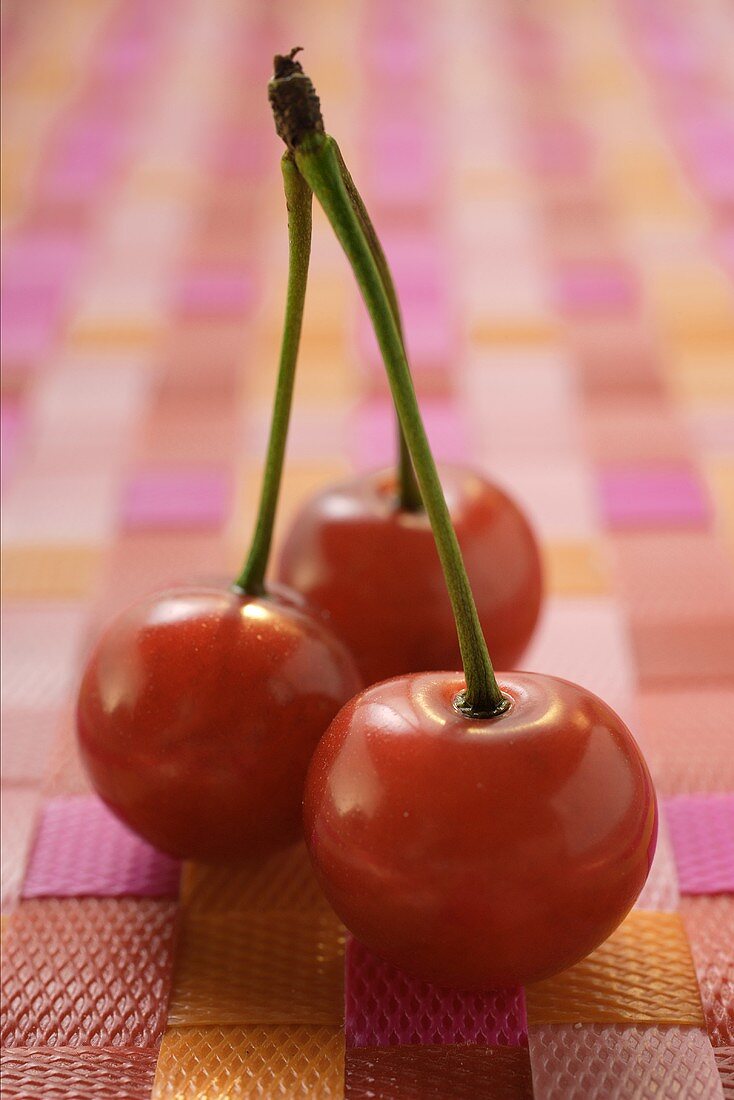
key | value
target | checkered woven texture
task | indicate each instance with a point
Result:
(553, 187)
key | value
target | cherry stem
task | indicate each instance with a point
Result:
(318, 162)
(409, 496)
(298, 201)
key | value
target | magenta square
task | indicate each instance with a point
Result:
(635, 498)
(596, 287)
(27, 340)
(42, 256)
(387, 1007)
(702, 831)
(176, 499)
(215, 292)
(28, 303)
(82, 850)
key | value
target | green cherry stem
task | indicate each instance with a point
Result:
(299, 201)
(298, 121)
(409, 496)
(319, 165)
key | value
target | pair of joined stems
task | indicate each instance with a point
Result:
(298, 197)
(315, 166)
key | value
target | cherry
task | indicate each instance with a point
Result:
(200, 707)
(198, 713)
(480, 853)
(477, 833)
(374, 567)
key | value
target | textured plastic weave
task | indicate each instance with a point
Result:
(77, 1073)
(65, 773)
(655, 570)
(263, 1062)
(438, 1072)
(702, 831)
(725, 1063)
(642, 974)
(668, 721)
(26, 742)
(553, 187)
(89, 971)
(709, 922)
(18, 810)
(284, 881)
(596, 1062)
(259, 968)
(82, 849)
(387, 1007)
(669, 650)
(39, 644)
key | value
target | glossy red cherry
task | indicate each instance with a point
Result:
(480, 853)
(198, 713)
(376, 570)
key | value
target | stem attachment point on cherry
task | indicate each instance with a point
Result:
(470, 710)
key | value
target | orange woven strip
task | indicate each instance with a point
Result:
(251, 1062)
(642, 974)
(259, 968)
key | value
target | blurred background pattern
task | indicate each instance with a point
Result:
(554, 187)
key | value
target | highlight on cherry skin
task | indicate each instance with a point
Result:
(375, 568)
(480, 853)
(198, 712)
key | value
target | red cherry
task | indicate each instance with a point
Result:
(376, 570)
(480, 853)
(198, 713)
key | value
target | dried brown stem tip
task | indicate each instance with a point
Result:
(292, 96)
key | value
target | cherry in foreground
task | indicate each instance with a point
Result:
(476, 832)
(198, 713)
(200, 706)
(354, 552)
(480, 853)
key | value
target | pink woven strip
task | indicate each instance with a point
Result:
(598, 287)
(71, 1071)
(18, 814)
(41, 255)
(387, 1007)
(702, 831)
(671, 497)
(610, 1062)
(176, 498)
(214, 292)
(81, 849)
(27, 738)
